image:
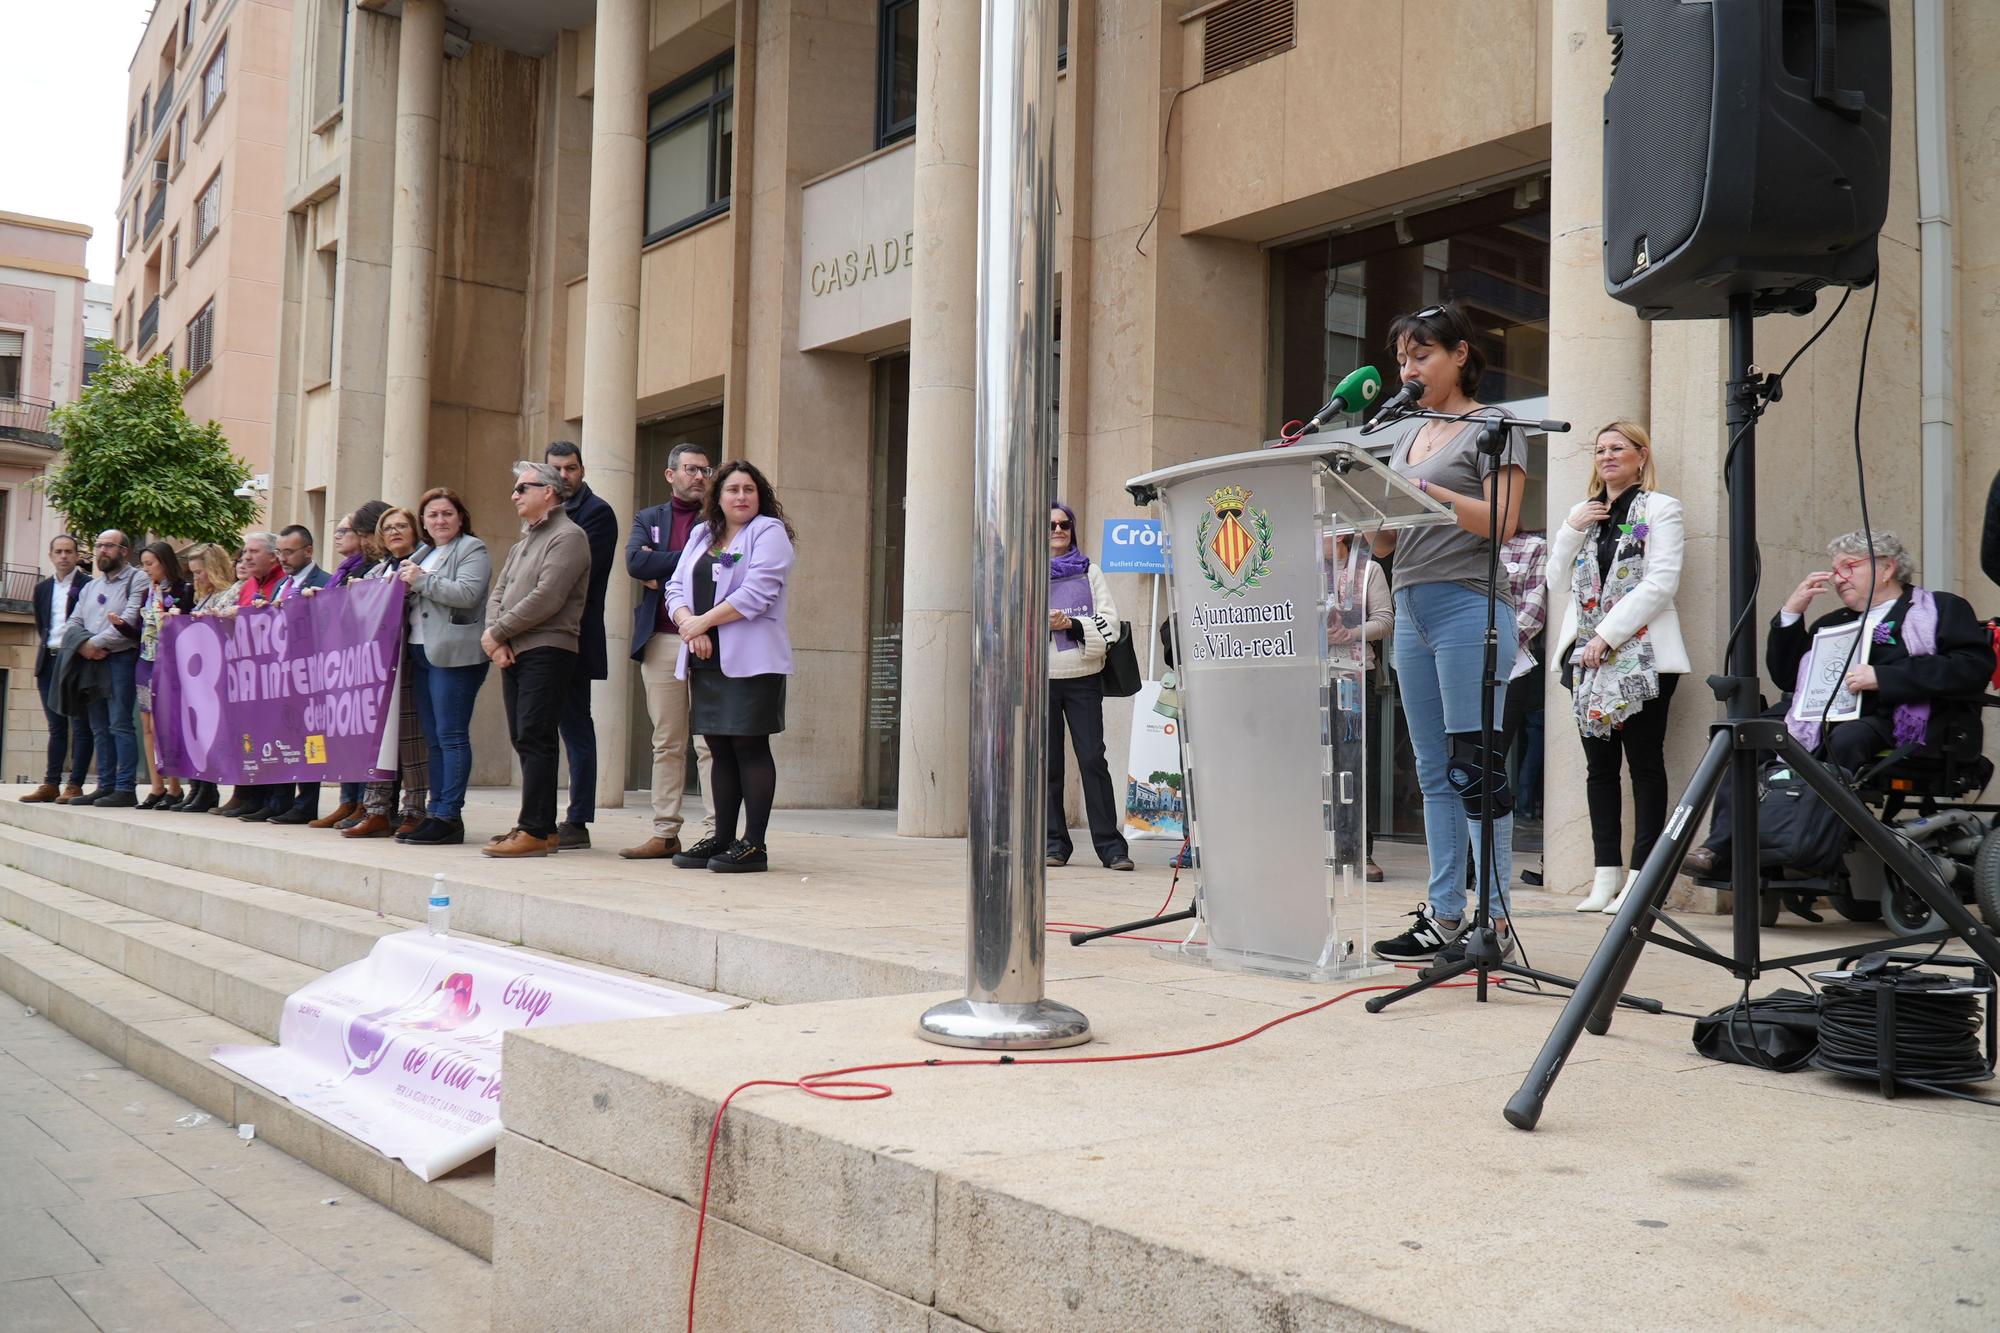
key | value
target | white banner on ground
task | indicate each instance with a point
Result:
(402, 1049)
(1153, 783)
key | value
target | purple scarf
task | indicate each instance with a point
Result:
(1912, 720)
(345, 569)
(1069, 590)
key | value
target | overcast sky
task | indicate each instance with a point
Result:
(62, 96)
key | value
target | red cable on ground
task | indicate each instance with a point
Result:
(1063, 927)
(838, 1085)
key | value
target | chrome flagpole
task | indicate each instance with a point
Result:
(1004, 1007)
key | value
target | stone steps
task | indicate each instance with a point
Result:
(168, 1039)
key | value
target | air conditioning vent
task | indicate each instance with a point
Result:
(1242, 32)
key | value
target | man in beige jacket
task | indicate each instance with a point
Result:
(532, 618)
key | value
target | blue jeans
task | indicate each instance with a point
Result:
(1440, 652)
(445, 696)
(67, 739)
(114, 722)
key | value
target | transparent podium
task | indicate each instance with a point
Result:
(1268, 595)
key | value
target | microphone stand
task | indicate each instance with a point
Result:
(1483, 954)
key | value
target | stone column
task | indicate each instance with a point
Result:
(611, 338)
(937, 556)
(413, 252)
(1599, 369)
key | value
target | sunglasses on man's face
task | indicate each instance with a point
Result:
(526, 486)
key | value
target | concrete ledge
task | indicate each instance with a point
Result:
(581, 1248)
(1267, 1186)
(168, 1040)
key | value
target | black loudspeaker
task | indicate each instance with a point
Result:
(1746, 150)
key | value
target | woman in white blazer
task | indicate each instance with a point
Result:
(1618, 554)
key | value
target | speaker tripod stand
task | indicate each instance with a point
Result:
(1735, 747)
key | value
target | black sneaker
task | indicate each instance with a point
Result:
(740, 858)
(698, 856)
(436, 832)
(1454, 952)
(572, 837)
(1420, 941)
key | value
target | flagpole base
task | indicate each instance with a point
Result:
(986, 1026)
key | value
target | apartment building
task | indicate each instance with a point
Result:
(200, 207)
(44, 310)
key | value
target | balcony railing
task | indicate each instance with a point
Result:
(27, 420)
(164, 104)
(17, 585)
(156, 212)
(149, 324)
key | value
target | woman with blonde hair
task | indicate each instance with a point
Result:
(1618, 554)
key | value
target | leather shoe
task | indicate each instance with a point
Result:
(410, 824)
(1699, 863)
(295, 814)
(232, 807)
(91, 797)
(520, 842)
(46, 792)
(116, 800)
(572, 837)
(1054, 862)
(256, 814)
(69, 794)
(373, 826)
(652, 849)
(1122, 863)
(345, 810)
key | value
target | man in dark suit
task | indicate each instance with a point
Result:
(652, 552)
(51, 618)
(588, 511)
(295, 803)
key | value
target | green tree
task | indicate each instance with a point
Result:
(132, 460)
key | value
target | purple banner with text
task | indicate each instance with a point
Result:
(297, 692)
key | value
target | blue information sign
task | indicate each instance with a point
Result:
(1132, 546)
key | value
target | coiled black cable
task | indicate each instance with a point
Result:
(1934, 1038)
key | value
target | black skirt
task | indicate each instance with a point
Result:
(720, 705)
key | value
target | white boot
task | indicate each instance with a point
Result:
(1611, 908)
(1601, 889)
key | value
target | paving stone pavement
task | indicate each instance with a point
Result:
(114, 1216)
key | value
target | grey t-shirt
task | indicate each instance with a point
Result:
(1448, 553)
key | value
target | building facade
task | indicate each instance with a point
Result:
(200, 204)
(749, 223)
(43, 314)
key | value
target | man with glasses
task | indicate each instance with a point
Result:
(55, 601)
(579, 734)
(532, 617)
(107, 618)
(652, 552)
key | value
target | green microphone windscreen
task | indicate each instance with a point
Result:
(1360, 388)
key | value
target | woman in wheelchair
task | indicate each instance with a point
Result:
(1927, 653)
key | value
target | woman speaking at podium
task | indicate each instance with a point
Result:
(1440, 582)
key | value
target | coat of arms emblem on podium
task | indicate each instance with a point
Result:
(1233, 542)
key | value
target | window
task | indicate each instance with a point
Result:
(896, 73)
(145, 115)
(131, 141)
(121, 236)
(187, 28)
(690, 129)
(212, 79)
(208, 211)
(173, 257)
(201, 339)
(1332, 299)
(12, 349)
(180, 139)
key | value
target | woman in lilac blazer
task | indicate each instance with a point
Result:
(727, 597)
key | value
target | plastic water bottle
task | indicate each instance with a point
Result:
(440, 915)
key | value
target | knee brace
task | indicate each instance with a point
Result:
(1471, 769)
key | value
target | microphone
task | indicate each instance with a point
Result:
(1405, 398)
(1361, 387)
